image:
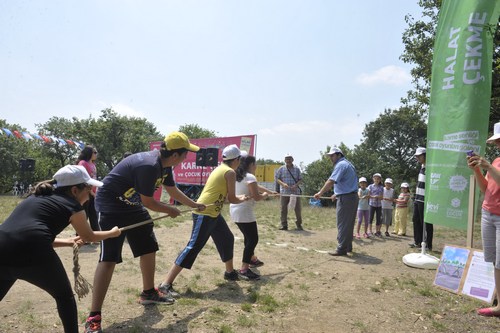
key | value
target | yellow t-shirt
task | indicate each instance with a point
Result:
(215, 191)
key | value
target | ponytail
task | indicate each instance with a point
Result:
(45, 187)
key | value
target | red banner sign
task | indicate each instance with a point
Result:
(188, 173)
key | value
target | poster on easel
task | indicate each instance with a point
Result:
(463, 271)
(480, 280)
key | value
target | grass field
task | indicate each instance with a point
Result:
(301, 290)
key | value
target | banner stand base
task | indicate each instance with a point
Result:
(421, 260)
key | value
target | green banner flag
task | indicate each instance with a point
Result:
(459, 105)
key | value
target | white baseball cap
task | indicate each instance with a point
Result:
(335, 150)
(362, 179)
(496, 133)
(377, 175)
(388, 180)
(405, 185)
(231, 152)
(74, 174)
(420, 151)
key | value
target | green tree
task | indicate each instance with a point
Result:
(418, 40)
(194, 131)
(60, 152)
(113, 135)
(264, 161)
(12, 149)
(389, 143)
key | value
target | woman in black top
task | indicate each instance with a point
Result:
(28, 238)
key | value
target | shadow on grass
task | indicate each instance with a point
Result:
(150, 317)
(234, 292)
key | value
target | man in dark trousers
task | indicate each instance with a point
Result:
(418, 207)
(345, 188)
(289, 178)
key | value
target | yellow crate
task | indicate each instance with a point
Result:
(270, 170)
(259, 173)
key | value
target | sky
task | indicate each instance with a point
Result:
(300, 74)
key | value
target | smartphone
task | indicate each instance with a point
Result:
(470, 153)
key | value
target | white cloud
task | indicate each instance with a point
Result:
(392, 75)
(122, 109)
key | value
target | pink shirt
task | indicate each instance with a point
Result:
(91, 169)
(491, 201)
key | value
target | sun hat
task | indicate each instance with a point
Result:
(362, 179)
(420, 151)
(377, 175)
(231, 152)
(178, 140)
(74, 174)
(388, 180)
(496, 133)
(335, 150)
(405, 185)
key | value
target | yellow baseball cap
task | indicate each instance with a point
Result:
(178, 140)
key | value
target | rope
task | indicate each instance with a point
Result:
(82, 287)
(299, 196)
(132, 226)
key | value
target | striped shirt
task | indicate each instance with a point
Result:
(420, 193)
(403, 200)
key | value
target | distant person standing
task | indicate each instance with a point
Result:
(401, 214)
(289, 178)
(87, 159)
(376, 194)
(363, 207)
(387, 205)
(345, 188)
(418, 207)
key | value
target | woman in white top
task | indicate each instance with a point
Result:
(243, 214)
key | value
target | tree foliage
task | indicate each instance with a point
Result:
(111, 134)
(389, 143)
(418, 40)
(194, 131)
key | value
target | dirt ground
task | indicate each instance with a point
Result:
(302, 289)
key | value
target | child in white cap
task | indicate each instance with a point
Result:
(387, 206)
(401, 213)
(363, 207)
(376, 194)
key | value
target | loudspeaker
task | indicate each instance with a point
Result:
(207, 157)
(212, 157)
(200, 158)
(27, 164)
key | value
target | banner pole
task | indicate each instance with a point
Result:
(470, 215)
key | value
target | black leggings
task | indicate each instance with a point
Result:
(251, 238)
(378, 212)
(49, 275)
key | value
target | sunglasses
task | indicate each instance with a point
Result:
(95, 151)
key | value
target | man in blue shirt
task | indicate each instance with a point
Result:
(344, 182)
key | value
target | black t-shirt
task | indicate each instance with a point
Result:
(34, 224)
(140, 173)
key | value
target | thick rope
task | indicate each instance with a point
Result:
(298, 196)
(132, 226)
(82, 287)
